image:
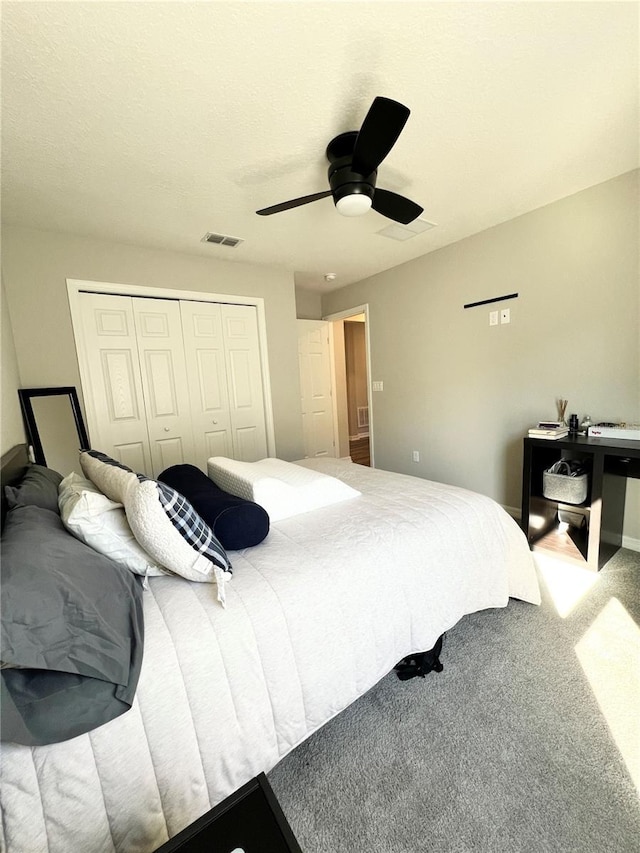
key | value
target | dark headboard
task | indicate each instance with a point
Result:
(12, 468)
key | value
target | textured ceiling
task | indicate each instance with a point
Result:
(155, 122)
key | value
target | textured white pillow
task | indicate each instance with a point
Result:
(191, 551)
(102, 524)
(109, 475)
(282, 488)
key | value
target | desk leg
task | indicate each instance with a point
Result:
(612, 520)
(526, 490)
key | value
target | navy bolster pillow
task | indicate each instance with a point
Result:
(236, 522)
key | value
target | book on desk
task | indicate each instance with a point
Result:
(549, 429)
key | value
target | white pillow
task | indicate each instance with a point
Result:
(282, 488)
(102, 524)
(168, 527)
(110, 476)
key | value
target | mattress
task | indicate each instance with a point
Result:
(316, 615)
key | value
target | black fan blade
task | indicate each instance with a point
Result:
(295, 202)
(380, 130)
(395, 206)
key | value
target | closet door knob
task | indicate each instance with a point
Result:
(166, 429)
(215, 422)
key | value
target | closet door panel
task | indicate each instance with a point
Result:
(114, 399)
(217, 443)
(240, 384)
(207, 380)
(211, 388)
(250, 444)
(136, 456)
(169, 451)
(120, 385)
(164, 382)
(244, 377)
(160, 372)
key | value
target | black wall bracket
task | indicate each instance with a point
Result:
(488, 301)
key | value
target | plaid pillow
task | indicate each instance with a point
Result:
(170, 530)
(191, 526)
(108, 460)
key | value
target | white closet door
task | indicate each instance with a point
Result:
(164, 382)
(114, 399)
(244, 380)
(207, 379)
(315, 386)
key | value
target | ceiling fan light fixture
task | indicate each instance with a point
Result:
(354, 158)
(354, 204)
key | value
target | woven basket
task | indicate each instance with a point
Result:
(564, 488)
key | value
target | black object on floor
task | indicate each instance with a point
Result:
(421, 663)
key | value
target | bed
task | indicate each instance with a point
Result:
(315, 616)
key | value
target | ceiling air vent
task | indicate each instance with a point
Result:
(406, 232)
(221, 239)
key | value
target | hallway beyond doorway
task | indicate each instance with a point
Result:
(359, 451)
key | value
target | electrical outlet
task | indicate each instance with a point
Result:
(377, 386)
(493, 318)
(416, 455)
(505, 315)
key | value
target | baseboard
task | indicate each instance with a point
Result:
(631, 543)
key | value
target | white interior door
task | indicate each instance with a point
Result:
(315, 386)
(244, 381)
(207, 379)
(114, 400)
(164, 382)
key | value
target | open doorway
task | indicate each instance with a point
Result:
(352, 402)
(355, 356)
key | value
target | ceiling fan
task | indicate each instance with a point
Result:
(354, 158)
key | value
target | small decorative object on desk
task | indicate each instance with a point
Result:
(562, 410)
(586, 423)
(573, 425)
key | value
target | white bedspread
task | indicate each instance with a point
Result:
(315, 616)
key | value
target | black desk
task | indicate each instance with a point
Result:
(610, 462)
(248, 821)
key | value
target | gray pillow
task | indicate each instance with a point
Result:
(38, 487)
(72, 623)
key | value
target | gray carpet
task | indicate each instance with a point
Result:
(505, 750)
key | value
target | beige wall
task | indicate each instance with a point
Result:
(11, 426)
(36, 265)
(308, 304)
(464, 393)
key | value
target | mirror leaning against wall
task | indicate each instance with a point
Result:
(55, 426)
